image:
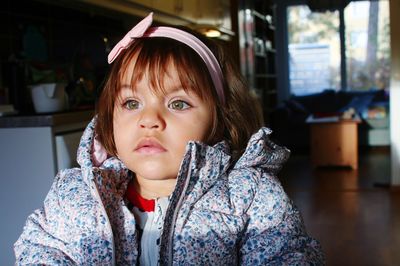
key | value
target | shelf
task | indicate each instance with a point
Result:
(267, 18)
(262, 47)
(257, 44)
(47, 119)
(259, 15)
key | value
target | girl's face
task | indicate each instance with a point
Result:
(151, 129)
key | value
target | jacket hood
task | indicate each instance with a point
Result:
(264, 153)
(91, 154)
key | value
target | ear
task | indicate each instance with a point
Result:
(99, 153)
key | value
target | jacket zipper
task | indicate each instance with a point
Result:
(175, 214)
(107, 220)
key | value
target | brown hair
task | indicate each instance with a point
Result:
(235, 121)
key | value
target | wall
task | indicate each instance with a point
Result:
(395, 91)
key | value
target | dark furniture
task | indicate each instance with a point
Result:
(288, 120)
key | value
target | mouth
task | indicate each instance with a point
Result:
(149, 147)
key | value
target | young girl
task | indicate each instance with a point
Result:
(175, 169)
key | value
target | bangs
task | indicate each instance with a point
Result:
(155, 56)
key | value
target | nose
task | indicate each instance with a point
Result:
(151, 118)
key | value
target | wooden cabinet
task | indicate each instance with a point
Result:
(203, 12)
(257, 50)
(197, 14)
(190, 13)
(67, 144)
(334, 143)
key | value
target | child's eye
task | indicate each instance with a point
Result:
(179, 105)
(131, 105)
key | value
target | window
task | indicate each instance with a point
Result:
(367, 45)
(315, 56)
(314, 50)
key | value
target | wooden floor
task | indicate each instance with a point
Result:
(353, 213)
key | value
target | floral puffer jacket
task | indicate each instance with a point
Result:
(220, 213)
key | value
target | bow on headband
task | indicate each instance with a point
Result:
(142, 29)
(136, 32)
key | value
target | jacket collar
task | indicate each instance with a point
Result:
(197, 155)
(261, 152)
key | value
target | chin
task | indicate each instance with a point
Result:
(154, 172)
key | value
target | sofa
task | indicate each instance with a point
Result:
(288, 120)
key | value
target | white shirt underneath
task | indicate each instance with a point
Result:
(151, 224)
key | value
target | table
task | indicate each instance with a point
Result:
(334, 141)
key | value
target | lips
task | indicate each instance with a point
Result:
(149, 146)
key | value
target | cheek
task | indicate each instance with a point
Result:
(203, 126)
(121, 134)
(116, 130)
(197, 129)
(118, 137)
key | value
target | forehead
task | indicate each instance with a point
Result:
(136, 71)
(160, 78)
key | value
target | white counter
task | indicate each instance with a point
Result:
(32, 150)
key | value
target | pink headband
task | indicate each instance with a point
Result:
(142, 30)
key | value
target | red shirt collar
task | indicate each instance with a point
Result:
(138, 201)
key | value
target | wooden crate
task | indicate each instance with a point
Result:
(334, 143)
